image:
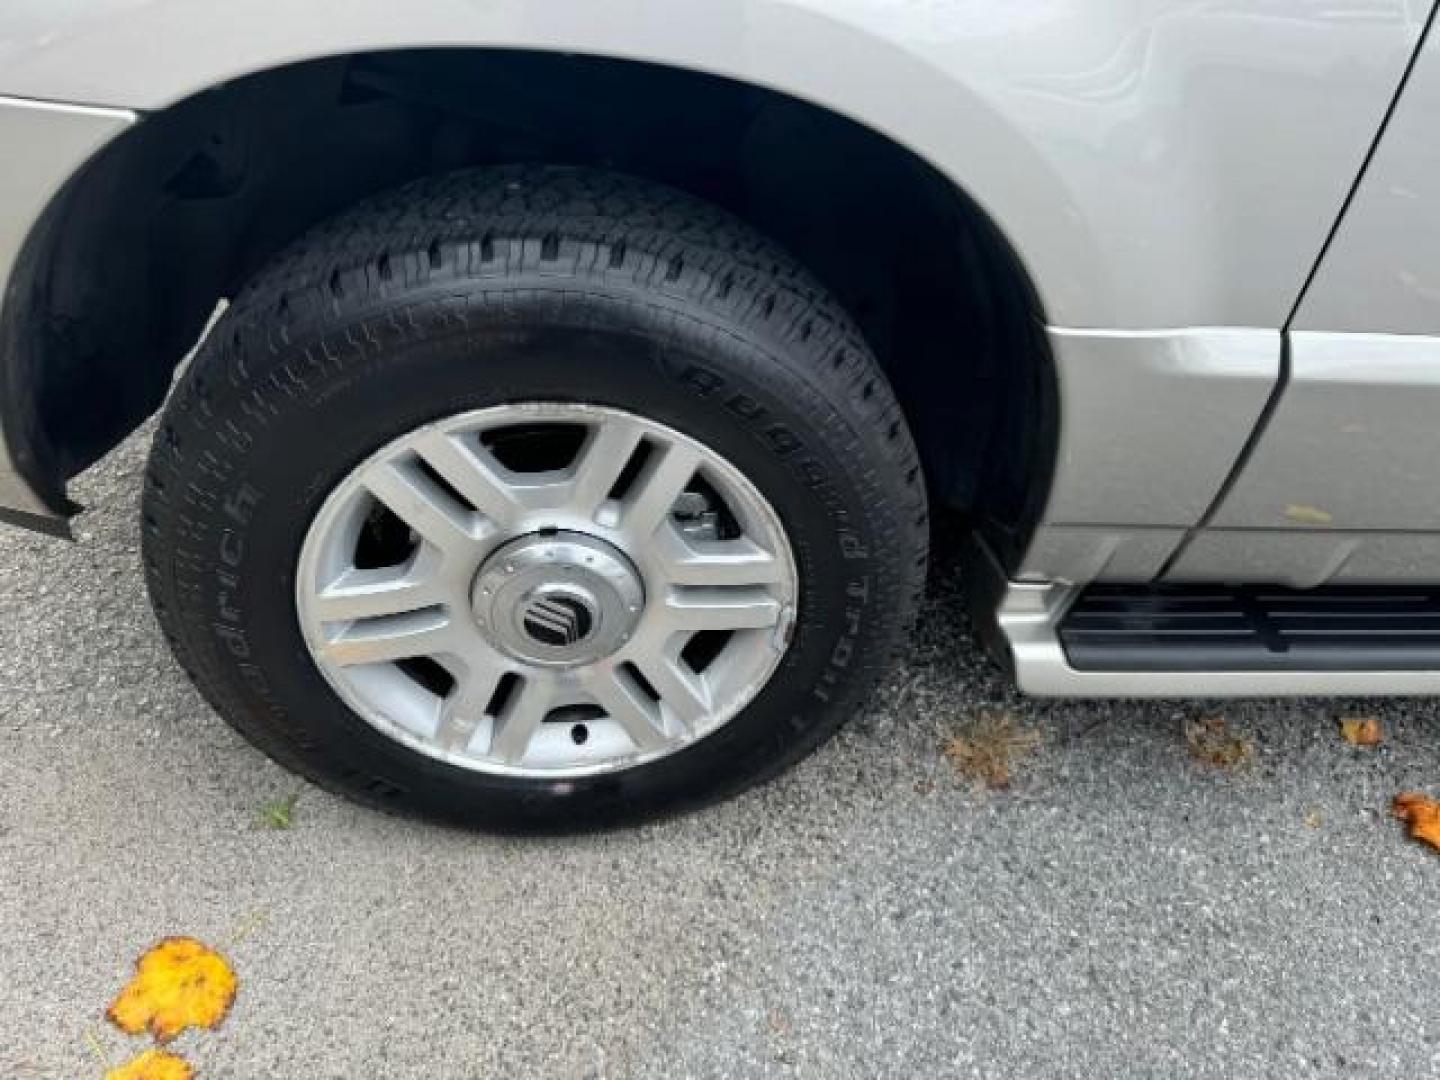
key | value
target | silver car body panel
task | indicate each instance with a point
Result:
(1344, 483)
(1081, 553)
(1354, 442)
(1132, 401)
(1304, 559)
(1129, 149)
(1381, 273)
(1151, 423)
(1167, 170)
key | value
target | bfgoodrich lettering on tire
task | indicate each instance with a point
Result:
(534, 498)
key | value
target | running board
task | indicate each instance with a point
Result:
(1207, 641)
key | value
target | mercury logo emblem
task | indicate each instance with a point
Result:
(557, 621)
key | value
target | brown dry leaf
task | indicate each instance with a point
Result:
(178, 984)
(1422, 814)
(1210, 740)
(153, 1065)
(1361, 730)
(986, 748)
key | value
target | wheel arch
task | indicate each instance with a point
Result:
(118, 278)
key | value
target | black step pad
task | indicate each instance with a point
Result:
(1253, 628)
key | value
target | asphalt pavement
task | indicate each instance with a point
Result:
(1121, 910)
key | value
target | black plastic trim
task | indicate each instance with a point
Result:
(50, 526)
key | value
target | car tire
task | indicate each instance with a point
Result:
(581, 295)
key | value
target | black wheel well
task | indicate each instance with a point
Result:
(117, 282)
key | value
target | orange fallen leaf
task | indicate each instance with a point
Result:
(1361, 730)
(1422, 814)
(178, 984)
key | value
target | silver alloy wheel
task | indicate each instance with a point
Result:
(546, 589)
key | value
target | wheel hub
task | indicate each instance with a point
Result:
(558, 598)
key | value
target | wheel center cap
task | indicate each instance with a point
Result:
(557, 598)
(557, 618)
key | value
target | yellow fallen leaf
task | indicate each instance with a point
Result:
(178, 984)
(1313, 820)
(1422, 814)
(1308, 515)
(153, 1065)
(1361, 730)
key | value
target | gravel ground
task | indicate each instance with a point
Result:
(1121, 910)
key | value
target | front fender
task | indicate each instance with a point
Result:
(1156, 163)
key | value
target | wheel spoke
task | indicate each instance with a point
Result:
(367, 594)
(630, 707)
(684, 698)
(416, 500)
(472, 473)
(707, 608)
(523, 715)
(726, 562)
(611, 445)
(656, 488)
(463, 710)
(393, 637)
